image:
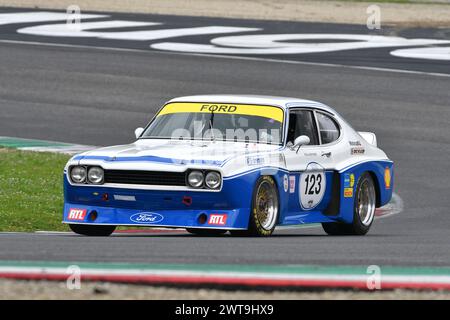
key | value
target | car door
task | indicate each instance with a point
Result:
(310, 166)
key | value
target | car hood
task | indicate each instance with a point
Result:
(177, 151)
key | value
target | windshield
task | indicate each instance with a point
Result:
(223, 122)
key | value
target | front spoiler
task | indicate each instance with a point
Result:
(97, 215)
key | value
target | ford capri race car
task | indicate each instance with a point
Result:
(244, 164)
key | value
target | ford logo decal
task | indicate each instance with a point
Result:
(146, 217)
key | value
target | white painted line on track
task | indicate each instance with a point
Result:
(70, 150)
(12, 232)
(219, 56)
(35, 145)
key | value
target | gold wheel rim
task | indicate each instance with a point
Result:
(266, 205)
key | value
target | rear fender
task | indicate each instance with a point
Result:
(381, 172)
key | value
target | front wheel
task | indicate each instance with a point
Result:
(92, 230)
(264, 211)
(363, 210)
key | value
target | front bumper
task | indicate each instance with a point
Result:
(161, 218)
(227, 209)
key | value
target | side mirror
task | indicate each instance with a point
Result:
(300, 141)
(138, 132)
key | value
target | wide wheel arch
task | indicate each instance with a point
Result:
(254, 227)
(278, 184)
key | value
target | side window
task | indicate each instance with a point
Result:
(328, 128)
(301, 122)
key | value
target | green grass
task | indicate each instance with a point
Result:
(31, 190)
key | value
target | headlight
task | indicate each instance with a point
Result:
(195, 179)
(212, 180)
(78, 174)
(95, 175)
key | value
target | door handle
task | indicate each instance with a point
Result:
(326, 154)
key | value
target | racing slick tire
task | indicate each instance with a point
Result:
(206, 232)
(92, 230)
(363, 210)
(264, 210)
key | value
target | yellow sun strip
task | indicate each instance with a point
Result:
(245, 109)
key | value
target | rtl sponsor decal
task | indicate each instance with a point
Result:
(77, 214)
(217, 219)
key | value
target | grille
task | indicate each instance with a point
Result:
(145, 177)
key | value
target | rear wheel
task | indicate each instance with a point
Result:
(363, 210)
(206, 232)
(92, 230)
(264, 211)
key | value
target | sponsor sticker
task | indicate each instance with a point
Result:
(285, 183)
(124, 198)
(225, 108)
(349, 180)
(146, 217)
(357, 151)
(309, 154)
(346, 180)
(291, 184)
(387, 178)
(255, 160)
(348, 192)
(354, 143)
(217, 219)
(77, 214)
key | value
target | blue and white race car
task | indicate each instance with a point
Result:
(244, 164)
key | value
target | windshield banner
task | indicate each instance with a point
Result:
(270, 112)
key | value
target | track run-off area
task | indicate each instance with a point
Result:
(93, 85)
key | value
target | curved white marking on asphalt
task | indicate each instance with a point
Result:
(62, 30)
(65, 30)
(218, 56)
(269, 44)
(433, 53)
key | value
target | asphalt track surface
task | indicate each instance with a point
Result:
(99, 96)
